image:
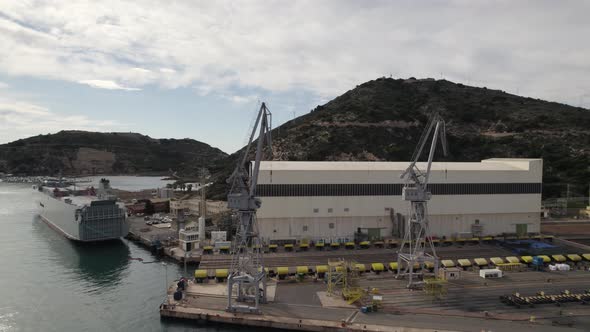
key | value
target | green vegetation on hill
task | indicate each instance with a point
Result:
(384, 118)
(81, 152)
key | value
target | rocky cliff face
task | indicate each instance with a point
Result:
(383, 120)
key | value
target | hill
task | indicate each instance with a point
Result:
(81, 152)
(384, 118)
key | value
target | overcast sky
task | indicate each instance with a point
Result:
(198, 69)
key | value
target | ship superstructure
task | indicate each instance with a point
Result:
(85, 215)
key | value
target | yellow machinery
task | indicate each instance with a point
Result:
(282, 272)
(481, 262)
(527, 259)
(321, 270)
(518, 267)
(435, 288)
(496, 260)
(448, 263)
(464, 263)
(512, 259)
(574, 257)
(200, 276)
(343, 278)
(221, 274)
(377, 267)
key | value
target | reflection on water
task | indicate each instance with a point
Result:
(49, 283)
(99, 263)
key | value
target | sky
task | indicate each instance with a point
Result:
(199, 69)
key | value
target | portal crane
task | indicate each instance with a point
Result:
(412, 251)
(247, 269)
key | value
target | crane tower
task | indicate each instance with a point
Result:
(247, 268)
(412, 256)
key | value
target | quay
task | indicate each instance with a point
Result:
(160, 240)
(472, 304)
(301, 301)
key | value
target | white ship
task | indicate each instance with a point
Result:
(82, 214)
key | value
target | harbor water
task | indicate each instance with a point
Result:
(49, 283)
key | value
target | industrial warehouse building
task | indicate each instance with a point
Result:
(331, 201)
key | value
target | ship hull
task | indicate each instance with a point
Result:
(91, 223)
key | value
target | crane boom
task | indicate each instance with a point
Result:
(416, 191)
(247, 270)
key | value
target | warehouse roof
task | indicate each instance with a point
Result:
(495, 164)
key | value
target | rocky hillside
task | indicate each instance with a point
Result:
(80, 152)
(383, 120)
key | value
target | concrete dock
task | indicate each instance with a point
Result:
(151, 236)
(472, 304)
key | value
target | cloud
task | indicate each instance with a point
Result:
(325, 47)
(3, 85)
(22, 108)
(19, 119)
(241, 99)
(109, 85)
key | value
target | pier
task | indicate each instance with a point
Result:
(472, 304)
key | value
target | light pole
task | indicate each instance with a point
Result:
(166, 278)
(185, 257)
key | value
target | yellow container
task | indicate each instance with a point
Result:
(429, 265)
(545, 258)
(221, 273)
(559, 258)
(335, 244)
(360, 267)
(319, 245)
(480, 261)
(282, 271)
(288, 245)
(464, 262)
(377, 267)
(586, 256)
(527, 259)
(272, 246)
(512, 259)
(304, 245)
(200, 274)
(448, 263)
(349, 244)
(497, 260)
(321, 269)
(365, 244)
(302, 270)
(393, 266)
(574, 257)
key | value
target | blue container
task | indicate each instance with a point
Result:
(364, 309)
